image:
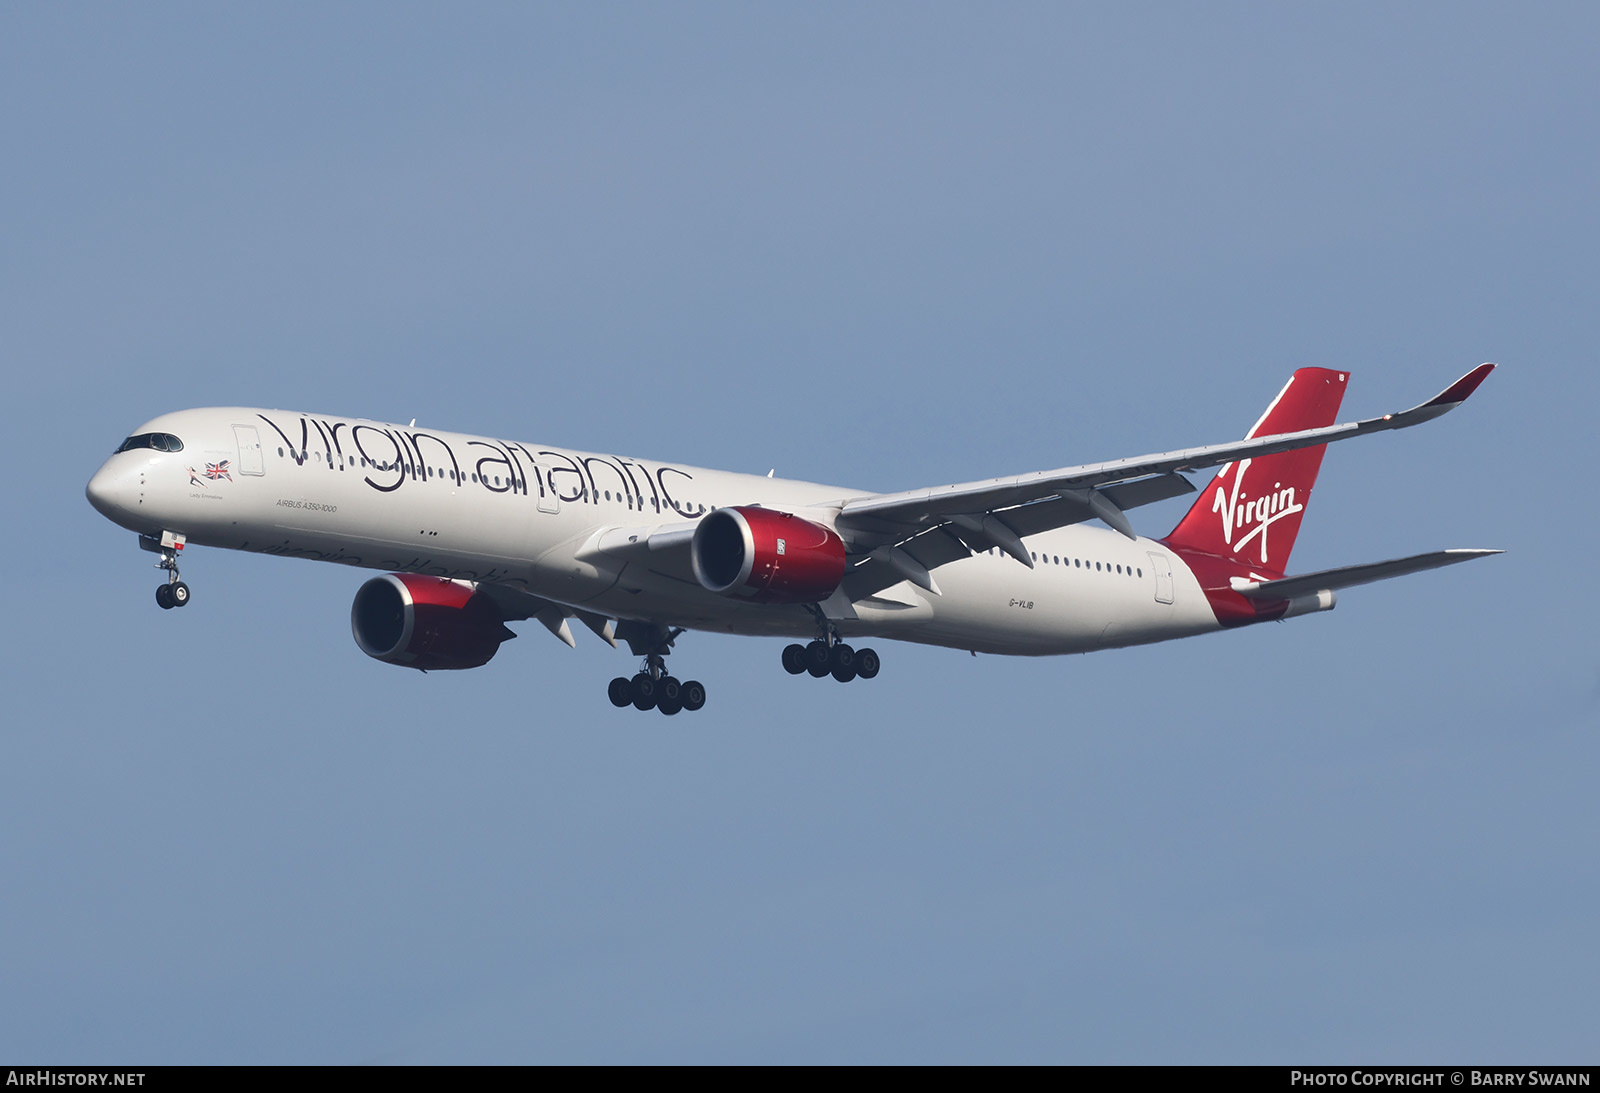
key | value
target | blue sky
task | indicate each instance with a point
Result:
(883, 246)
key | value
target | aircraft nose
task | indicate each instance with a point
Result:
(108, 492)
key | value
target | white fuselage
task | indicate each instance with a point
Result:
(390, 497)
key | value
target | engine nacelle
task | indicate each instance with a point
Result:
(767, 556)
(426, 622)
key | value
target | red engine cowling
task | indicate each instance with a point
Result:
(426, 622)
(766, 556)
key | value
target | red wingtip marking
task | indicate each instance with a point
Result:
(1461, 388)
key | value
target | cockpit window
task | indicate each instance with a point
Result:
(161, 442)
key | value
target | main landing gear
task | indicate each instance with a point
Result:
(652, 688)
(828, 655)
(174, 593)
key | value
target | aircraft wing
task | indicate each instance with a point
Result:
(903, 536)
(1328, 580)
(999, 511)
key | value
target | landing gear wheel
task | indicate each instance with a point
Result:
(644, 691)
(794, 659)
(817, 656)
(842, 662)
(179, 594)
(693, 695)
(164, 596)
(653, 688)
(620, 691)
(867, 663)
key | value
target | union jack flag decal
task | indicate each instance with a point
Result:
(215, 471)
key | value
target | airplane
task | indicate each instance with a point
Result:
(476, 532)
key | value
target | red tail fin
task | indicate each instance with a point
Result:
(1250, 512)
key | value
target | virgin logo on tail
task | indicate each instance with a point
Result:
(1256, 513)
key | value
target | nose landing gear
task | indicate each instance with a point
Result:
(174, 593)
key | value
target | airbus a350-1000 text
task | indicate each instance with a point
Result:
(476, 532)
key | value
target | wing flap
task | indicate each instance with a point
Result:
(929, 551)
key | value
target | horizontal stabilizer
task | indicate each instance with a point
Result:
(1345, 576)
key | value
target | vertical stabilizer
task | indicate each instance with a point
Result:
(1250, 512)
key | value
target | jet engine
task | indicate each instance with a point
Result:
(426, 622)
(767, 556)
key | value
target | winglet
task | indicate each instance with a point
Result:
(1457, 392)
